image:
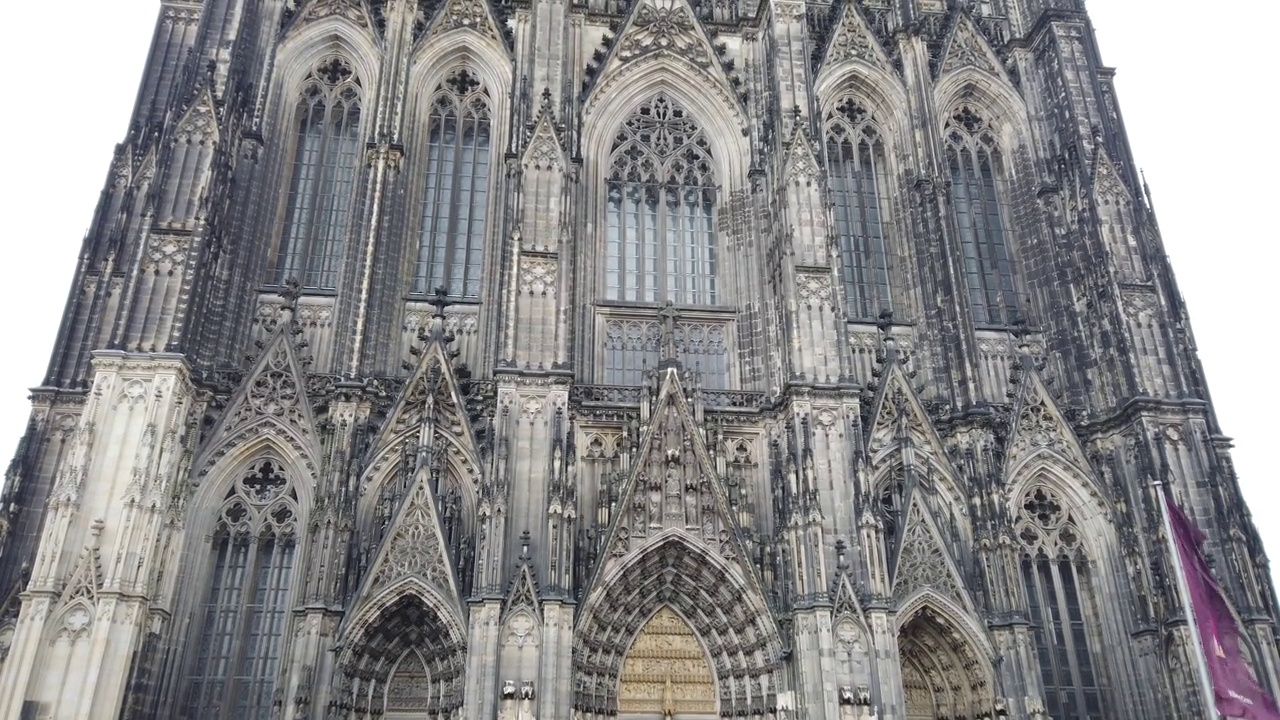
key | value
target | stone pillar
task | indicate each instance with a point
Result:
(95, 570)
(482, 683)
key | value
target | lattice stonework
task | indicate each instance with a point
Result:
(666, 670)
(633, 346)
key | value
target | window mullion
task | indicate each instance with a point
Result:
(235, 660)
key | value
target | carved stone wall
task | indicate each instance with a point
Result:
(552, 493)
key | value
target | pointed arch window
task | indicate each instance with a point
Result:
(973, 161)
(856, 172)
(1055, 577)
(455, 203)
(245, 610)
(326, 147)
(660, 241)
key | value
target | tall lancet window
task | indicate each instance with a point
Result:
(660, 241)
(244, 616)
(856, 171)
(1055, 577)
(326, 157)
(973, 159)
(455, 204)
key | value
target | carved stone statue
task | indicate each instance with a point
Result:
(526, 701)
(507, 707)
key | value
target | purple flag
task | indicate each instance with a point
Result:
(1235, 690)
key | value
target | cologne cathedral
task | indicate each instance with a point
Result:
(619, 359)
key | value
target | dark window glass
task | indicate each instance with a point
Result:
(1062, 645)
(325, 160)
(245, 612)
(660, 241)
(455, 205)
(855, 168)
(973, 163)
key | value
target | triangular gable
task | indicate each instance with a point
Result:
(800, 163)
(668, 28)
(473, 15)
(923, 562)
(853, 40)
(414, 549)
(199, 122)
(86, 578)
(1108, 183)
(846, 600)
(898, 414)
(523, 592)
(673, 488)
(274, 392)
(431, 401)
(1038, 427)
(968, 48)
(353, 10)
(543, 151)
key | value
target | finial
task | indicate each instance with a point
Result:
(440, 301)
(524, 546)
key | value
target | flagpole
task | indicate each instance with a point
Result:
(1188, 609)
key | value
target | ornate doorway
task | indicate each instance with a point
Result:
(666, 673)
(943, 675)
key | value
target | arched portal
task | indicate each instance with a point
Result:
(404, 661)
(666, 672)
(944, 677)
(725, 615)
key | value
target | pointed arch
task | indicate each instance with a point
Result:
(996, 101)
(406, 616)
(457, 133)
(667, 669)
(1062, 543)
(457, 169)
(979, 175)
(709, 105)
(242, 591)
(859, 187)
(218, 469)
(946, 658)
(724, 609)
(307, 44)
(881, 91)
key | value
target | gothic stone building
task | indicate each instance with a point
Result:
(588, 359)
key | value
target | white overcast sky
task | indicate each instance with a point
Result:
(1197, 90)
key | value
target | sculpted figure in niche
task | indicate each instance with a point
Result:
(691, 503)
(526, 701)
(507, 708)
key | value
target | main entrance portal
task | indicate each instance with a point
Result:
(666, 673)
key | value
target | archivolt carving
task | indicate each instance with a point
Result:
(734, 623)
(943, 674)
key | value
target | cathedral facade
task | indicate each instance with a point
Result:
(639, 359)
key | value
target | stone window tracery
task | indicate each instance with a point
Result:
(455, 203)
(634, 346)
(660, 242)
(326, 148)
(856, 173)
(1055, 577)
(245, 609)
(973, 161)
